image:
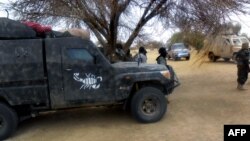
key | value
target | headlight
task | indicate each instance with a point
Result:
(166, 74)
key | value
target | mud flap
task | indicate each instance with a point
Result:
(174, 81)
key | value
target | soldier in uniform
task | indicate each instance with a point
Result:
(119, 52)
(142, 55)
(161, 59)
(242, 65)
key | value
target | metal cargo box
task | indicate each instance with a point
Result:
(21, 60)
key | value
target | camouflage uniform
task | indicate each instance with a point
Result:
(242, 65)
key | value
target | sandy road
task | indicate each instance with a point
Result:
(206, 100)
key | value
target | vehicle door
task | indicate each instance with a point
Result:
(84, 78)
(226, 49)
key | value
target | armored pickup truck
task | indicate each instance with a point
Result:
(48, 74)
(225, 47)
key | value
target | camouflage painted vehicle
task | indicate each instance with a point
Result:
(45, 74)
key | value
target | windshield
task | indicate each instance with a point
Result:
(244, 40)
(180, 46)
(239, 41)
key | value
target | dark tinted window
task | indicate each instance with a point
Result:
(79, 54)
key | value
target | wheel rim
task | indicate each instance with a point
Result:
(150, 106)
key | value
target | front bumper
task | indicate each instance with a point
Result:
(174, 81)
(182, 55)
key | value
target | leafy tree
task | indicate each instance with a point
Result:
(230, 28)
(176, 37)
(154, 44)
(196, 38)
(245, 35)
(193, 38)
(236, 28)
(112, 20)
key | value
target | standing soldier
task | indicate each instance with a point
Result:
(141, 57)
(161, 59)
(242, 65)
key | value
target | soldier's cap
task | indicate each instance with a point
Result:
(245, 46)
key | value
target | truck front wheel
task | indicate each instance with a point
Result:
(148, 105)
(212, 57)
(226, 59)
(8, 121)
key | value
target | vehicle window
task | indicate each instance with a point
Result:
(178, 47)
(244, 40)
(79, 54)
(236, 42)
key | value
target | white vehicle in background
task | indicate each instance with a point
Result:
(225, 47)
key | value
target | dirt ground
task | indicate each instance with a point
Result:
(206, 100)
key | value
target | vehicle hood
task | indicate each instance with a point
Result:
(132, 67)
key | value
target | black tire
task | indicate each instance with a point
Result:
(226, 59)
(212, 57)
(148, 105)
(8, 121)
(187, 58)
